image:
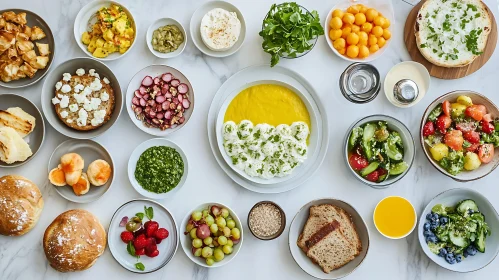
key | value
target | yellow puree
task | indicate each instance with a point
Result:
(271, 104)
(394, 216)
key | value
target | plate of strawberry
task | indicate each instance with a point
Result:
(143, 236)
(459, 135)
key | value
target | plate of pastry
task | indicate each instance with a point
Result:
(328, 238)
(81, 170)
(27, 48)
(22, 130)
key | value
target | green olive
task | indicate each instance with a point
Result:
(133, 226)
(136, 220)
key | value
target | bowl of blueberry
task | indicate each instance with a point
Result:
(458, 230)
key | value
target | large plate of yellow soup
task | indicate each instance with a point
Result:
(266, 131)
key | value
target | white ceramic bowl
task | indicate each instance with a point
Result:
(82, 20)
(419, 74)
(132, 164)
(301, 258)
(196, 24)
(384, 7)
(405, 134)
(413, 226)
(313, 140)
(186, 240)
(154, 71)
(89, 150)
(167, 248)
(451, 198)
(160, 23)
(484, 169)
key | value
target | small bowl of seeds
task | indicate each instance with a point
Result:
(266, 220)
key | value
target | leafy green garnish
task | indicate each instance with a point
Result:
(435, 113)
(149, 212)
(140, 215)
(423, 46)
(288, 30)
(140, 266)
(472, 41)
(130, 249)
(454, 162)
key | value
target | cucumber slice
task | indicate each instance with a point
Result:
(367, 150)
(368, 133)
(480, 241)
(398, 168)
(465, 205)
(354, 136)
(458, 240)
(478, 217)
(392, 151)
(370, 168)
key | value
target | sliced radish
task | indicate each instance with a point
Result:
(152, 114)
(156, 81)
(186, 103)
(180, 98)
(168, 95)
(175, 100)
(147, 81)
(181, 120)
(159, 107)
(183, 88)
(142, 90)
(138, 110)
(167, 77)
(135, 100)
(175, 83)
(160, 116)
(146, 96)
(165, 88)
(138, 94)
(160, 99)
(168, 115)
(165, 105)
(142, 102)
(151, 102)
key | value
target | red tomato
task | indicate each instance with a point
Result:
(472, 136)
(381, 171)
(454, 139)
(446, 108)
(476, 112)
(473, 148)
(487, 117)
(357, 162)
(428, 129)
(486, 153)
(466, 126)
(443, 122)
(487, 127)
(373, 176)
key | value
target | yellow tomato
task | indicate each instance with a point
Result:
(387, 23)
(381, 42)
(338, 13)
(353, 9)
(363, 51)
(367, 27)
(373, 48)
(372, 40)
(352, 39)
(371, 14)
(336, 23)
(379, 21)
(377, 31)
(334, 34)
(363, 38)
(355, 28)
(352, 51)
(339, 44)
(363, 9)
(345, 32)
(348, 18)
(360, 18)
(342, 51)
(387, 34)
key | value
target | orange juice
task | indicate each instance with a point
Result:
(394, 217)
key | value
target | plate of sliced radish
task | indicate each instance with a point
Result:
(159, 100)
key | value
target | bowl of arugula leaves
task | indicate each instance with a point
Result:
(289, 31)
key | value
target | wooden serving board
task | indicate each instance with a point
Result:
(443, 72)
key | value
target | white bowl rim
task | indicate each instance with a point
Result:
(173, 54)
(415, 217)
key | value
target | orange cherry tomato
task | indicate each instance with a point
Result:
(454, 139)
(486, 153)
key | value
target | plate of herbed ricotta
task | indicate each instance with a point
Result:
(452, 33)
(266, 131)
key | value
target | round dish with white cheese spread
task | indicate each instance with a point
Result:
(220, 29)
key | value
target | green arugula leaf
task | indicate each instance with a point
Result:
(130, 249)
(140, 266)
(149, 212)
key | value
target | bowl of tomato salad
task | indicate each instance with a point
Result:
(459, 135)
(379, 150)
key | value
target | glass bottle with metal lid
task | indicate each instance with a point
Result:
(360, 83)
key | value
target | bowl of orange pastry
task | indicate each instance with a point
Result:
(81, 170)
(360, 32)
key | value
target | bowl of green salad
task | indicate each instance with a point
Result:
(457, 230)
(379, 150)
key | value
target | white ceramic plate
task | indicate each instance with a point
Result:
(419, 74)
(160, 23)
(451, 198)
(132, 164)
(265, 73)
(89, 150)
(186, 240)
(82, 22)
(313, 140)
(154, 71)
(301, 258)
(384, 7)
(167, 248)
(196, 24)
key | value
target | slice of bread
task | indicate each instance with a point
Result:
(349, 231)
(329, 248)
(12, 147)
(22, 122)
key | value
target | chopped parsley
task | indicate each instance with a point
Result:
(423, 46)
(472, 41)
(472, 7)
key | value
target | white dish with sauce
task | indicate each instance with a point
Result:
(407, 70)
(160, 23)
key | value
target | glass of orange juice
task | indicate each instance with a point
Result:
(395, 217)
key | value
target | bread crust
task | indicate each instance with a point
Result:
(74, 241)
(21, 204)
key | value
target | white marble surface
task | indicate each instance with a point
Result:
(23, 257)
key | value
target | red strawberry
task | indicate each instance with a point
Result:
(487, 127)
(151, 228)
(151, 240)
(126, 236)
(140, 252)
(472, 136)
(151, 248)
(153, 254)
(140, 242)
(466, 126)
(161, 233)
(373, 176)
(473, 148)
(428, 129)
(443, 122)
(158, 240)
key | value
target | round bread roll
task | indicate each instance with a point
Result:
(21, 204)
(74, 241)
(98, 172)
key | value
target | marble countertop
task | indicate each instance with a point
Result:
(23, 257)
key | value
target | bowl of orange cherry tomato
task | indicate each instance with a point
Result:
(359, 32)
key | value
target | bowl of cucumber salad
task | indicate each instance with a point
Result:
(379, 150)
(457, 230)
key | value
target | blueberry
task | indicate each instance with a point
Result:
(427, 233)
(443, 220)
(471, 250)
(428, 216)
(432, 239)
(465, 254)
(435, 216)
(449, 254)
(433, 227)
(452, 260)
(458, 258)
(442, 252)
(426, 226)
